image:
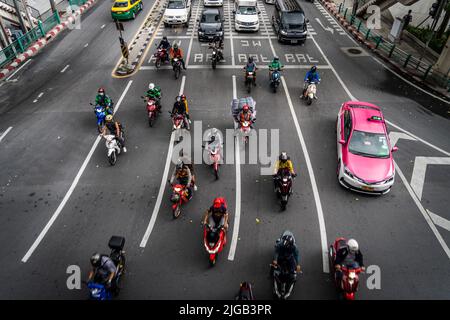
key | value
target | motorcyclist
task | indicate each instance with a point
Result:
(245, 115)
(176, 52)
(188, 162)
(286, 251)
(283, 163)
(217, 214)
(183, 175)
(311, 76)
(275, 65)
(104, 270)
(217, 44)
(251, 67)
(348, 255)
(154, 92)
(180, 107)
(114, 128)
(165, 45)
(214, 137)
(103, 100)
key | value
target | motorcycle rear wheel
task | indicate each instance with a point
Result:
(112, 158)
(177, 73)
(214, 64)
(249, 86)
(176, 212)
(158, 63)
(308, 101)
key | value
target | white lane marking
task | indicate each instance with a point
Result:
(38, 97)
(395, 136)
(323, 231)
(323, 27)
(72, 187)
(86, 45)
(65, 68)
(399, 171)
(420, 170)
(422, 210)
(5, 133)
(162, 188)
(23, 65)
(192, 36)
(231, 34)
(439, 221)
(102, 26)
(267, 34)
(237, 213)
(204, 66)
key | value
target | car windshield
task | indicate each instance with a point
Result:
(210, 18)
(293, 20)
(122, 4)
(175, 5)
(246, 10)
(369, 144)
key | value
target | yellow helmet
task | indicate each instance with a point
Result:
(109, 117)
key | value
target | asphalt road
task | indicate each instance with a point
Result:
(53, 141)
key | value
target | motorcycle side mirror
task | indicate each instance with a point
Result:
(394, 149)
(91, 103)
(307, 20)
(342, 141)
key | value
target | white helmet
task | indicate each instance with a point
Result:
(352, 245)
(151, 86)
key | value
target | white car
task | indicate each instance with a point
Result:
(270, 1)
(177, 12)
(246, 16)
(213, 3)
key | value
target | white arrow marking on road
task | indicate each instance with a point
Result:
(439, 221)
(395, 136)
(419, 171)
(325, 28)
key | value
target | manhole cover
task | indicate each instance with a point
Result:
(354, 51)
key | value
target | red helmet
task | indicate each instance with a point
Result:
(218, 203)
(101, 90)
(183, 97)
(245, 107)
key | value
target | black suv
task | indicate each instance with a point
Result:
(289, 21)
(211, 25)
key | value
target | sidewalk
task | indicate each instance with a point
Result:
(407, 57)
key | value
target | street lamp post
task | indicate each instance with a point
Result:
(19, 16)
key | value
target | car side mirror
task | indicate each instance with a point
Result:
(394, 149)
(198, 20)
(234, 11)
(259, 12)
(342, 141)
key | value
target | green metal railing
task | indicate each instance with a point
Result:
(406, 60)
(77, 3)
(19, 46)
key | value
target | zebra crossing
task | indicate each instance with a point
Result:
(329, 18)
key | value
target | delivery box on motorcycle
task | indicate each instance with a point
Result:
(237, 104)
(116, 242)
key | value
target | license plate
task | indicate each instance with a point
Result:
(294, 41)
(367, 188)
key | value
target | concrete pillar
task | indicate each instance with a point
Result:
(443, 63)
(19, 16)
(27, 13)
(5, 39)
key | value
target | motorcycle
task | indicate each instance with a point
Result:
(275, 80)
(214, 150)
(176, 67)
(283, 281)
(249, 80)
(214, 58)
(348, 284)
(178, 124)
(213, 240)
(178, 197)
(245, 292)
(310, 93)
(114, 148)
(160, 57)
(284, 187)
(245, 128)
(100, 113)
(98, 291)
(152, 110)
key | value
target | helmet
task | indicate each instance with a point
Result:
(183, 97)
(164, 38)
(283, 156)
(96, 259)
(213, 138)
(287, 241)
(250, 59)
(353, 246)
(180, 164)
(276, 58)
(313, 69)
(101, 91)
(245, 108)
(218, 202)
(178, 98)
(151, 86)
(109, 117)
(175, 46)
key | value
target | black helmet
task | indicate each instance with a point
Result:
(276, 58)
(283, 156)
(287, 241)
(165, 38)
(96, 259)
(175, 46)
(313, 69)
(213, 138)
(250, 59)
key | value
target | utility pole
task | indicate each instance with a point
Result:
(3, 34)
(25, 7)
(53, 5)
(19, 16)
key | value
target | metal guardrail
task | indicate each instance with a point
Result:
(407, 61)
(19, 46)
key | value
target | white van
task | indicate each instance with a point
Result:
(246, 15)
(177, 12)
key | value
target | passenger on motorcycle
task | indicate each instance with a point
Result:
(184, 177)
(311, 76)
(103, 100)
(104, 270)
(275, 65)
(188, 162)
(286, 251)
(217, 44)
(348, 255)
(176, 52)
(251, 67)
(283, 162)
(165, 44)
(154, 92)
(217, 214)
(114, 128)
(245, 115)
(181, 107)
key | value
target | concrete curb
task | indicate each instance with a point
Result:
(38, 45)
(331, 7)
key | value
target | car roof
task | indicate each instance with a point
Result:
(366, 117)
(211, 11)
